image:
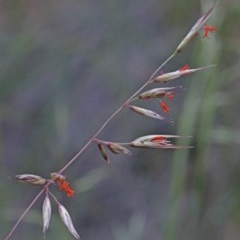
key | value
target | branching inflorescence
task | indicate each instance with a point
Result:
(149, 141)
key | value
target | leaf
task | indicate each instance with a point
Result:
(148, 113)
(46, 211)
(67, 220)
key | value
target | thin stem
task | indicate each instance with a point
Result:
(54, 198)
(23, 214)
(115, 113)
(161, 66)
(105, 142)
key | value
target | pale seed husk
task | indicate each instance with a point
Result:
(148, 113)
(194, 30)
(176, 74)
(157, 92)
(150, 142)
(46, 211)
(31, 179)
(67, 220)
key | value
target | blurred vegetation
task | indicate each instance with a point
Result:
(67, 65)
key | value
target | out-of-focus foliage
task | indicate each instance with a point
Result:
(65, 66)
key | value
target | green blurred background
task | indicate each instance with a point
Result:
(65, 66)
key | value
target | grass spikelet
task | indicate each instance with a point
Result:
(46, 212)
(67, 220)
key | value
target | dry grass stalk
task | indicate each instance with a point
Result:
(148, 141)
